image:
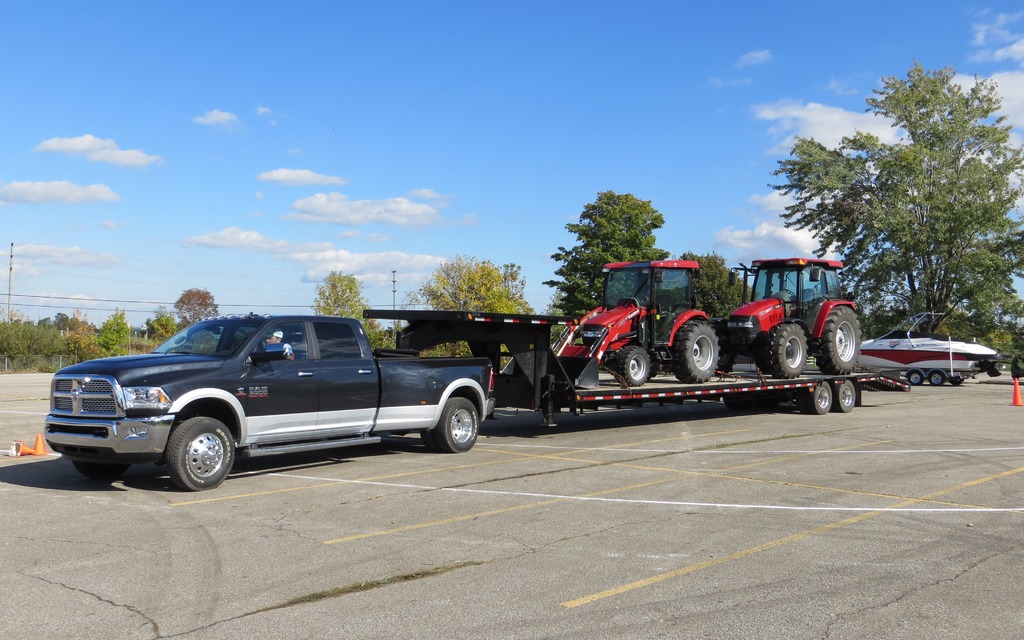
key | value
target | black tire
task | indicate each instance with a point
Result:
(100, 470)
(840, 342)
(957, 381)
(784, 353)
(634, 364)
(817, 401)
(915, 377)
(200, 453)
(936, 377)
(458, 427)
(844, 396)
(696, 352)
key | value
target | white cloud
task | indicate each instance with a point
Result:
(1010, 85)
(237, 238)
(424, 194)
(320, 258)
(773, 202)
(58, 191)
(262, 111)
(997, 42)
(32, 259)
(98, 150)
(828, 125)
(218, 118)
(299, 177)
(336, 208)
(767, 240)
(750, 58)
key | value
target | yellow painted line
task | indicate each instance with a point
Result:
(682, 571)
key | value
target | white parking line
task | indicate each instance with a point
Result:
(660, 503)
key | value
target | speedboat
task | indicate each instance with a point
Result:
(920, 356)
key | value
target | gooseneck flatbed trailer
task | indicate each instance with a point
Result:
(529, 375)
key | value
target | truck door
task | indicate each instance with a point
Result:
(281, 395)
(347, 379)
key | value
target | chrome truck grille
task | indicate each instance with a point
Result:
(85, 396)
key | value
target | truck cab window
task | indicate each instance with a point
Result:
(336, 341)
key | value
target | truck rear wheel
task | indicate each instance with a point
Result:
(100, 470)
(634, 364)
(696, 352)
(200, 453)
(784, 353)
(840, 341)
(458, 427)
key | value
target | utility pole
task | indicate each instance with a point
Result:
(10, 278)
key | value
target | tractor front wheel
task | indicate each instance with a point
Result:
(784, 353)
(634, 364)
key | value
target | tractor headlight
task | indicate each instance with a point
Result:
(146, 398)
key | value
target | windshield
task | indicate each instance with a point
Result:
(622, 284)
(776, 283)
(221, 337)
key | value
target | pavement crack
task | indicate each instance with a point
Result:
(152, 623)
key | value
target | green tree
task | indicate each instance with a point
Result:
(81, 338)
(613, 228)
(342, 295)
(193, 305)
(162, 325)
(468, 284)
(716, 296)
(113, 334)
(923, 224)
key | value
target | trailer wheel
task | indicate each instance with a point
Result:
(634, 364)
(200, 453)
(840, 341)
(696, 352)
(915, 377)
(100, 470)
(844, 396)
(817, 401)
(784, 353)
(936, 377)
(458, 427)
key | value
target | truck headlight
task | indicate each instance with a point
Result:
(146, 398)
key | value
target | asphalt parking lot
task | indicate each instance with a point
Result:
(902, 519)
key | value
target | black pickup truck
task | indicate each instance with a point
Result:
(257, 385)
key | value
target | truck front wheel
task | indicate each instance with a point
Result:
(200, 453)
(458, 427)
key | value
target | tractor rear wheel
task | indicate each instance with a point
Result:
(784, 353)
(840, 341)
(696, 352)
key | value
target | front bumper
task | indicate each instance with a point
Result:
(120, 440)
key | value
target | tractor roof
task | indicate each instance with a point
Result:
(796, 262)
(657, 264)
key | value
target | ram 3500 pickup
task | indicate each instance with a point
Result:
(257, 385)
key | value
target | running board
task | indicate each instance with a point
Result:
(257, 450)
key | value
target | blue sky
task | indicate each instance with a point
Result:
(249, 148)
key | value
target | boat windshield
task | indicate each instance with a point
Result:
(220, 337)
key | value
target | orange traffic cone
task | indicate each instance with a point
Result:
(1016, 394)
(19, 449)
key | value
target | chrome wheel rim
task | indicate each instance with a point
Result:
(205, 455)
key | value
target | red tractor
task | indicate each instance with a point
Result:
(648, 320)
(797, 309)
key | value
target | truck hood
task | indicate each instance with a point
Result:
(147, 369)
